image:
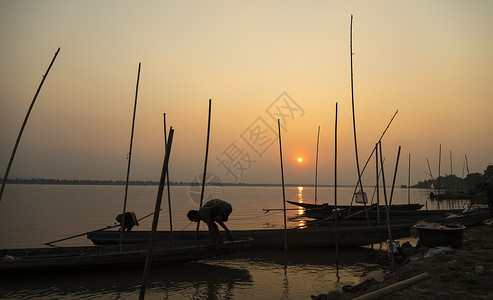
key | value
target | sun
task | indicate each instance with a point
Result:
(300, 160)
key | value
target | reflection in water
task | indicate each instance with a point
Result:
(301, 210)
(186, 281)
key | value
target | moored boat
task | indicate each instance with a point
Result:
(126, 255)
(348, 234)
(355, 208)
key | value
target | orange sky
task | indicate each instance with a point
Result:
(431, 60)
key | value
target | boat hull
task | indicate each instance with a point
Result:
(274, 238)
(94, 257)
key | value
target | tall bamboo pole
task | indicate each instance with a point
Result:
(283, 191)
(4, 181)
(387, 207)
(155, 220)
(354, 121)
(205, 166)
(316, 166)
(409, 182)
(439, 164)
(377, 185)
(129, 158)
(167, 183)
(335, 196)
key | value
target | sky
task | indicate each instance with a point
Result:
(258, 61)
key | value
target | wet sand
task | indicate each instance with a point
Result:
(463, 273)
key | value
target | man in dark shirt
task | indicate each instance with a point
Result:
(212, 212)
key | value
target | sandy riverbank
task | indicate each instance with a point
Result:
(463, 273)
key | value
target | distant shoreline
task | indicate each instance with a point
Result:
(148, 183)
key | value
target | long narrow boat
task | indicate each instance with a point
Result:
(354, 208)
(272, 238)
(317, 213)
(94, 257)
(349, 235)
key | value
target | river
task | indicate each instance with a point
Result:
(31, 215)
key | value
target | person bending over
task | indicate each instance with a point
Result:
(212, 212)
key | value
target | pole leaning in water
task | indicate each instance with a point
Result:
(205, 166)
(316, 165)
(335, 197)
(4, 181)
(283, 192)
(129, 159)
(167, 184)
(156, 215)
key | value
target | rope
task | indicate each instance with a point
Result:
(262, 215)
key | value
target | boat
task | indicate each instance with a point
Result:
(316, 213)
(110, 256)
(355, 208)
(274, 238)
(466, 217)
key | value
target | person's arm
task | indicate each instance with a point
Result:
(213, 231)
(230, 235)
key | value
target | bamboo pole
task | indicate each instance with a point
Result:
(316, 165)
(283, 191)
(354, 121)
(429, 168)
(409, 182)
(371, 154)
(335, 196)
(439, 164)
(167, 184)
(395, 175)
(129, 159)
(155, 220)
(7, 171)
(394, 287)
(97, 230)
(387, 208)
(378, 193)
(205, 166)
(451, 170)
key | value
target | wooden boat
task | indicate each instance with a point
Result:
(348, 235)
(355, 208)
(316, 213)
(273, 238)
(127, 255)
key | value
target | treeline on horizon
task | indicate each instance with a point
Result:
(135, 182)
(448, 182)
(453, 183)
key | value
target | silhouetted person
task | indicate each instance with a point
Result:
(212, 212)
(130, 220)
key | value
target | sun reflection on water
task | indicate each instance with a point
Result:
(301, 210)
